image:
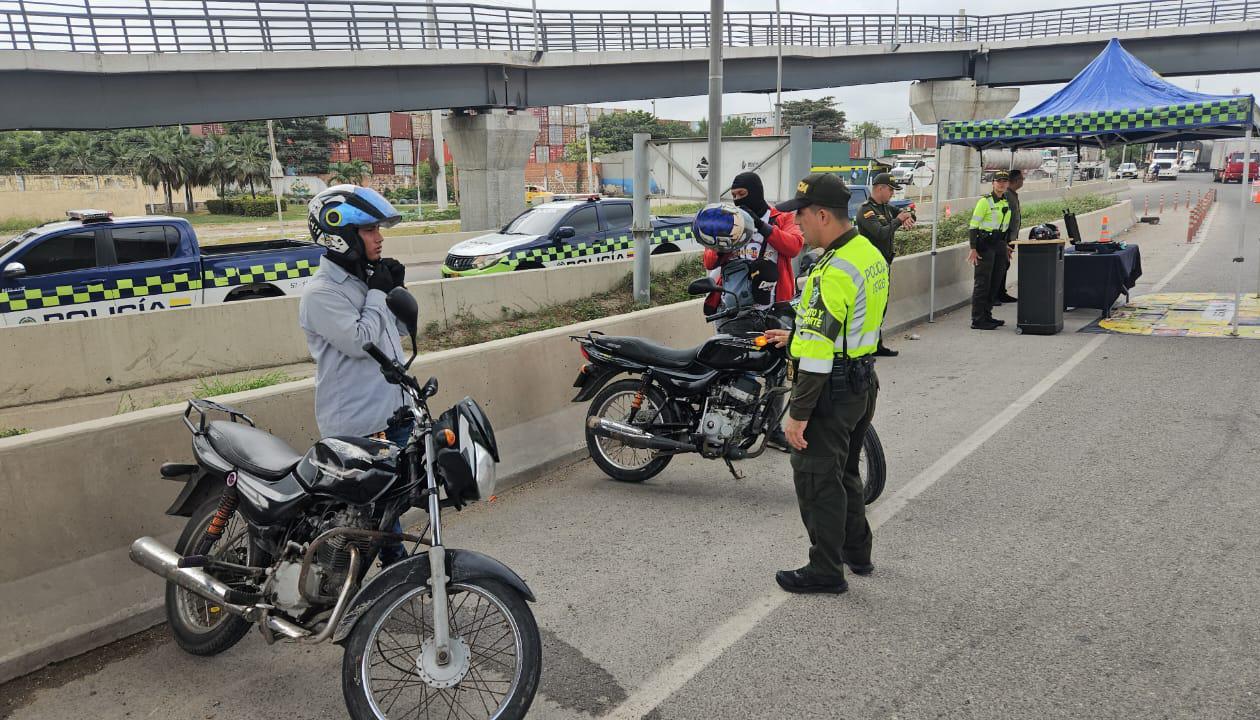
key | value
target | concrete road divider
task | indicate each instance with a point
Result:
(85, 357)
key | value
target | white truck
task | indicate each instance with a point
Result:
(1166, 163)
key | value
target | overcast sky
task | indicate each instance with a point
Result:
(886, 104)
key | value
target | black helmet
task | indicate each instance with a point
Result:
(335, 215)
(1045, 231)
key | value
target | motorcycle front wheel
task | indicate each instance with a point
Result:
(390, 668)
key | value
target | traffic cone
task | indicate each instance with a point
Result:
(1146, 205)
(1176, 201)
(1105, 235)
(1161, 203)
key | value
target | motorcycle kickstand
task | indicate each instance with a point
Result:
(731, 466)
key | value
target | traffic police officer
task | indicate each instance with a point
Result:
(989, 223)
(1000, 295)
(833, 394)
(878, 222)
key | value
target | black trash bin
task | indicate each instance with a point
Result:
(1040, 287)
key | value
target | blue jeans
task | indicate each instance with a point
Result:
(393, 552)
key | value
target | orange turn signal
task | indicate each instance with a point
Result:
(448, 438)
(761, 341)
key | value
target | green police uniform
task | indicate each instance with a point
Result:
(878, 223)
(989, 223)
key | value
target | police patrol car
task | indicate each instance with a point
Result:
(571, 232)
(94, 265)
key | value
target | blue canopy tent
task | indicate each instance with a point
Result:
(1117, 99)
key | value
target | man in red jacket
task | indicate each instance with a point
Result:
(779, 228)
(777, 240)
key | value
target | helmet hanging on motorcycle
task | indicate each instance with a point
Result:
(722, 227)
(335, 215)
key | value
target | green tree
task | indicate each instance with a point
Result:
(77, 153)
(617, 130)
(351, 172)
(731, 127)
(867, 131)
(576, 150)
(222, 162)
(822, 115)
(301, 143)
(157, 159)
(254, 160)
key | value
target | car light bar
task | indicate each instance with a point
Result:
(90, 216)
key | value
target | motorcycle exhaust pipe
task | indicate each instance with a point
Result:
(635, 437)
(161, 560)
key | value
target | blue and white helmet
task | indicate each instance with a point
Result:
(723, 227)
(336, 214)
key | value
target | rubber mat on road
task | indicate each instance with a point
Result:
(1182, 315)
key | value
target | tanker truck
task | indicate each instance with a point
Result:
(1022, 160)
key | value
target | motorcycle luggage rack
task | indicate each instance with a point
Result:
(203, 407)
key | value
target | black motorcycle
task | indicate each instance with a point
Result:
(717, 399)
(283, 541)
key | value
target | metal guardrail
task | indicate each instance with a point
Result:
(182, 26)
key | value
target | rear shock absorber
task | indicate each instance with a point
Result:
(222, 516)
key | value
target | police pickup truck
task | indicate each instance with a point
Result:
(95, 265)
(571, 232)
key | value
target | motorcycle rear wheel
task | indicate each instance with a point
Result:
(618, 461)
(199, 626)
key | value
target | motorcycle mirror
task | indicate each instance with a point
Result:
(703, 286)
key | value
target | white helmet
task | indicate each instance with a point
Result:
(723, 227)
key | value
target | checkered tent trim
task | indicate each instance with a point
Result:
(125, 288)
(1206, 114)
(596, 247)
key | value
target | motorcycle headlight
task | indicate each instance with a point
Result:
(484, 261)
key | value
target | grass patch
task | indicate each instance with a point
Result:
(213, 387)
(292, 214)
(953, 231)
(678, 209)
(17, 225)
(12, 432)
(668, 287)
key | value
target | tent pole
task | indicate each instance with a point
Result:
(936, 220)
(1242, 228)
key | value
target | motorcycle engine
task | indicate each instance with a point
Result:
(328, 568)
(729, 413)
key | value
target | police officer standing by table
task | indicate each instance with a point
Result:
(878, 221)
(833, 393)
(1000, 295)
(989, 223)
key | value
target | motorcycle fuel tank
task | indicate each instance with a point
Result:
(357, 470)
(729, 353)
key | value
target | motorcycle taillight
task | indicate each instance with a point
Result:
(584, 353)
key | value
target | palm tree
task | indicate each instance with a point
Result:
(222, 163)
(157, 157)
(868, 130)
(77, 152)
(351, 173)
(253, 160)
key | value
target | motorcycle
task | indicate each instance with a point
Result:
(283, 542)
(716, 399)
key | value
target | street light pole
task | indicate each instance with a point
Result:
(778, 70)
(715, 100)
(277, 175)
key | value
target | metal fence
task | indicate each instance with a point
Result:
(181, 26)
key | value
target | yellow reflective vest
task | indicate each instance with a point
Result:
(842, 304)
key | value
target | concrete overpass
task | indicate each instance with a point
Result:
(76, 72)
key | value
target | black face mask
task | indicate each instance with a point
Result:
(755, 201)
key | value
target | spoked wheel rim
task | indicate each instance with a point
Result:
(484, 637)
(619, 408)
(201, 615)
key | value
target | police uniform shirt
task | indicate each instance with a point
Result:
(878, 223)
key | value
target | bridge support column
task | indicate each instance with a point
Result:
(490, 149)
(936, 100)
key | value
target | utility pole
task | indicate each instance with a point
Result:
(277, 174)
(716, 10)
(590, 172)
(439, 141)
(778, 70)
(641, 223)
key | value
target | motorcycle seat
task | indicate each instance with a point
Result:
(647, 352)
(252, 450)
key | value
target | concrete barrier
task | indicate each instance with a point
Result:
(964, 206)
(86, 357)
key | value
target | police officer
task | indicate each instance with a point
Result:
(878, 222)
(989, 223)
(833, 394)
(1000, 295)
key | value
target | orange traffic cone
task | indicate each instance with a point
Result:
(1105, 235)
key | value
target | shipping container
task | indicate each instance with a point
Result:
(556, 154)
(583, 116)
(382, 150)
(360, 147)
(400, 125)
(421, 125)
(426, 149)
(555, 115)
(378, 125)
(403, 151)
(570, 134)
(570, 116)
(539, 112)
(382, 168)
(555, 135)
(405, 170)
(542, 154)
(336, 122)
(357, 125)
(339, 151)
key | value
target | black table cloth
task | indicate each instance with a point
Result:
(1097, 280)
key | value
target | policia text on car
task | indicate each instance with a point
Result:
(833, 395)
(989, 223)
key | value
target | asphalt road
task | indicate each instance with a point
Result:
(1068, 532)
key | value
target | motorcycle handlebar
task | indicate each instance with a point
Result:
(394, 372)
(380, 357)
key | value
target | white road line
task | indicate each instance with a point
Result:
(668, 680)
